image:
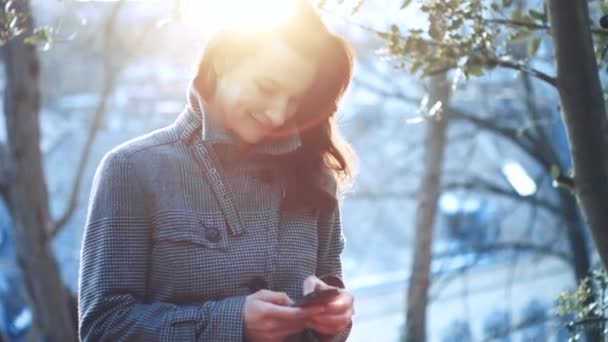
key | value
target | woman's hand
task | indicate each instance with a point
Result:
(338, 312)
(268, 316)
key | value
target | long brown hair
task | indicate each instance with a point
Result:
(322, 167)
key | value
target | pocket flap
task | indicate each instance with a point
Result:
(206, 229)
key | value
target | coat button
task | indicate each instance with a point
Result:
(212, 234)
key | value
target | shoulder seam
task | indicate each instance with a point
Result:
(144, 148)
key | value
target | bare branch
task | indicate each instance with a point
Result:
(487, 248)
(476, 183)
(512, 135)
(525, 324)
(108, 86)
(520, 246)
(541, 141)
(111, 73)
(483, 185)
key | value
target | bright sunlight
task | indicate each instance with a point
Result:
(246, 14)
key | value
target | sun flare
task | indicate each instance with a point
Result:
(247, 14)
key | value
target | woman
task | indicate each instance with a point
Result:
(210, 228)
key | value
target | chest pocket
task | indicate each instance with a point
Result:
(190, 256)
(188, 228)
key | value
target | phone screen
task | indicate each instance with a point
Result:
(316, 298)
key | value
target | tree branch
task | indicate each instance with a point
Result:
(512, 135)
(510, 64)
(522, 246)
(541, 141)
(108, 86)
(497, 61)
(535, 26)
(530, 322)
(505, 63)
(471, 184)
(480, 184)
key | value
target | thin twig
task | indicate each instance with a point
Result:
(520, 326)
(108, 87)
(484, 185)
(510, 134)
(522, 246)
(100, 109)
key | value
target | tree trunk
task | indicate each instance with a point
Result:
(568, 207)
(26, 192)
(576, 236)
(417, 295)
(583, 113)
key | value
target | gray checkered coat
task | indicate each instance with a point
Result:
(177, 230)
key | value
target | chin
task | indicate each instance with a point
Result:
(251, 137)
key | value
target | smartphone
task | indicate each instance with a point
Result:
(319, 297)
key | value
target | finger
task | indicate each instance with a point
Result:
(326, 329)
(331, 327)
(287, 327)
(310, 283)
(270, 337)
(280, 327)
(279, 298)
(287, 313)
(274, 329)
(332, 320)
(341, 303)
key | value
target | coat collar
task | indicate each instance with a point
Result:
(195, 121)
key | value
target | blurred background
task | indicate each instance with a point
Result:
(457, 204)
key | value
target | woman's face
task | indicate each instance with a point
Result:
(257, 95)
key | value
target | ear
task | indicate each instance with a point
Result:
(206, 79)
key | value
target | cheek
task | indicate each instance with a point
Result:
(241, 98)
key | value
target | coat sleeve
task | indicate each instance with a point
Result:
(113, 272)
(329, 263)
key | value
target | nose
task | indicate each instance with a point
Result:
(280, 111)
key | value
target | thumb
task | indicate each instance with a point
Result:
(279, 298)
(312, 283)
